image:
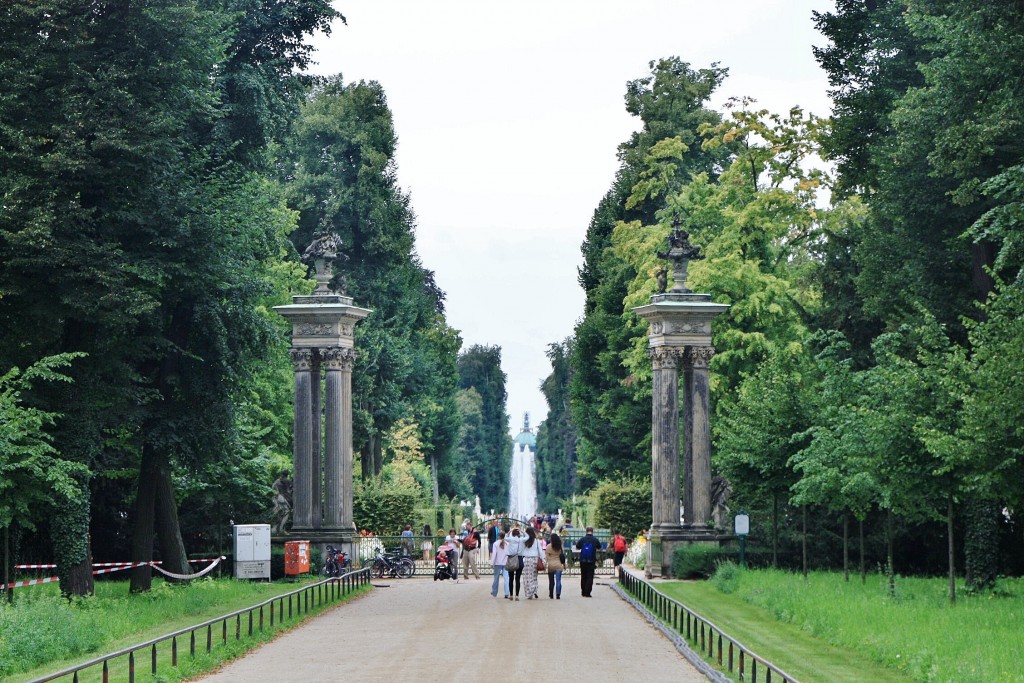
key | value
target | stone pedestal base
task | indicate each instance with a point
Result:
(346, 540)
(662, 545)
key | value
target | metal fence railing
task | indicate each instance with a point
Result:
(297, 603)
(704, 636)
(368, 546)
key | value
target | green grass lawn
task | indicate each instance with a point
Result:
(42, 632)
(828, 630)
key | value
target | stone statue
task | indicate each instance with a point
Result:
(680, 253)
(721, 491)
(662, 276)
(321, 253)
(282, 488)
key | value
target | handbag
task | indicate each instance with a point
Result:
(512, 563)
(540, 565)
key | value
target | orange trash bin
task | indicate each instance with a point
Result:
(296, 557)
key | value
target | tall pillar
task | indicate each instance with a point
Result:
(302, 494)
(665, 438)
(316, 472)
(332, 437)
(687, 457)
(323, 338)
(699, 400)
(347, 361)
(679, 340)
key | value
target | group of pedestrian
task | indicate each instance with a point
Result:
(519, 556)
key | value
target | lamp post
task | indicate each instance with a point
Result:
(742, 527)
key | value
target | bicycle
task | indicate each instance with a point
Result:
(392, 565)
(337, 563)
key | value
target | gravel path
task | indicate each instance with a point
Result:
(421, 630)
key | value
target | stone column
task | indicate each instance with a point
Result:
(316, 471)
(698, 398)
(687, 420)
(665, 438)
(302, 449)
(332, 437)
(347, 361)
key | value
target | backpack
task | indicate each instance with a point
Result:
(620, 544)
(587, 553)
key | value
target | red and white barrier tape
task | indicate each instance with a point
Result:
(99, 564)
(119, 567)
(190, 576)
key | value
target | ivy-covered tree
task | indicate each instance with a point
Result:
(489, 464)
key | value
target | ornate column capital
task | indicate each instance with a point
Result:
(335, 358)
(700, 356)
(302, 359)
(666, 357)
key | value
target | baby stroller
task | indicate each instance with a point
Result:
(443, 568)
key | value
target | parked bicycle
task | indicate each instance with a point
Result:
(391, 564)
(337, 563)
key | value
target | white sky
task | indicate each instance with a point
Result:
(508, 117)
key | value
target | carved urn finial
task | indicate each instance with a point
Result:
(680, 253)
(322, 252)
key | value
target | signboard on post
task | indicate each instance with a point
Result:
(252, 551)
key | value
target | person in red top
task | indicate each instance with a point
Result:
(619, 547)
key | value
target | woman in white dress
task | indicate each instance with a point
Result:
(532, 555)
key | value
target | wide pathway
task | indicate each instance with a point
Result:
(421, 630)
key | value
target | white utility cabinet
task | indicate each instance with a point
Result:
(252, 551)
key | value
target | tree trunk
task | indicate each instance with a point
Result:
(889, 569)
(378, 456)
(981, 543)
(168, 531)
(863, 568)
(803, 543)
(72, 550)
(143, 524)
(366, 462)
(8, 591)
(775, 530)
(433, 476)
(846, 548)
(952, 558)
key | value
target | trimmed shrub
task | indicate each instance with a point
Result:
(383, 511)
(699, 561)
(623, 505)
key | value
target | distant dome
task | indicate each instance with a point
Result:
(526, 438)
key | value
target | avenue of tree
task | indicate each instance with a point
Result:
(869, 375)
(162, 164)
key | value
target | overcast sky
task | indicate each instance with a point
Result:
(508, 117)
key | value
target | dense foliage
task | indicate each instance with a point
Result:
(163, 165)
(867, 373)
(485, 447)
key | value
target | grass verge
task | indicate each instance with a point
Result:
(43, 633)
(826, 629)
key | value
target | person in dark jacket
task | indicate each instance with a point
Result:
(588, 560)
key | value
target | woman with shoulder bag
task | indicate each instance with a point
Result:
(554, 558)
(514, 563)
(533, 562)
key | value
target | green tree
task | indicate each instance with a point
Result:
(611, 416)
(341, 176)
(489, 464)
(556, 436)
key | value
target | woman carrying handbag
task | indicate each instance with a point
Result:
(554, 558)
(514, 563)
(533, 562)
